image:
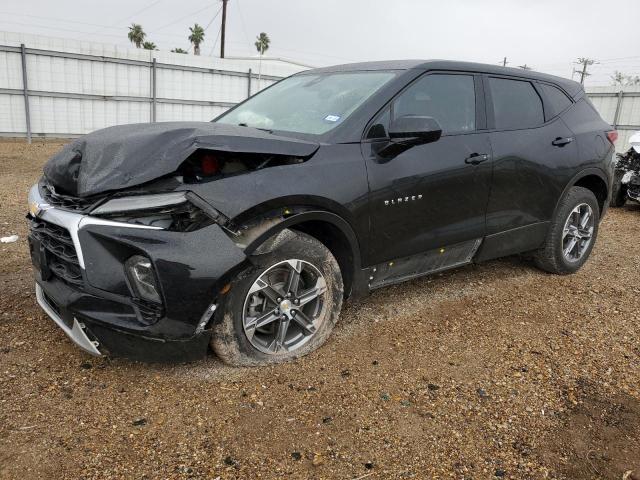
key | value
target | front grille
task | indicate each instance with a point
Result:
(61, 255)
(65, 202)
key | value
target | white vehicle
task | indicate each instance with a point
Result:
(626, 183)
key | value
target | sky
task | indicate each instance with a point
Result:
(547, 35)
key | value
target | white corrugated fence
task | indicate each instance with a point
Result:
(620, 106)
(75, 87)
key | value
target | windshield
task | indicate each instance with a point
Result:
(308, 103)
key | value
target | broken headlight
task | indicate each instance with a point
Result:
(173, 211)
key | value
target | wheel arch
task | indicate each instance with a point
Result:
(333, 231)
(592, 179)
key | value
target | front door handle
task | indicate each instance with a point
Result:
(561, 142)
(476, 158)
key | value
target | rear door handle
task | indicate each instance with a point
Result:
(561, 142)
(476, 158)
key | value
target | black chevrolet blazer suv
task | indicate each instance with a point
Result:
(246, 234)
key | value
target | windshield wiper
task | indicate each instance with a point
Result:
(257, 128)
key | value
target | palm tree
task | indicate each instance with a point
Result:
(179, 50)
(196, 37)
(149, 46)
(262, 45)
(136, 34)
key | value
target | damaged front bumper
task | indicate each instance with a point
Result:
(81, 283)
(75, 332)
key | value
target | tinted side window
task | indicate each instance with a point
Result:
(556, 98)
(450, 99)
(516, 104)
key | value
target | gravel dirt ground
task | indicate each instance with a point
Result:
(494, 370)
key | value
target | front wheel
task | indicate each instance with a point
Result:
(572, 233)
(282, 307)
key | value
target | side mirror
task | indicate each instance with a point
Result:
(419, 129)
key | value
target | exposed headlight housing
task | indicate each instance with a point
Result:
(173, 211)
(142, 278)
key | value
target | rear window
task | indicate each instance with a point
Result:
(556, 98)
(516, 104)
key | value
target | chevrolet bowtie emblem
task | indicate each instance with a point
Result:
(35, 208)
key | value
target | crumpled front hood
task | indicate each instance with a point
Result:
(129, 155)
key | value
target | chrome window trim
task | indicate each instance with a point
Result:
(73, 222)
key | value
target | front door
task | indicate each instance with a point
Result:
(434, 195)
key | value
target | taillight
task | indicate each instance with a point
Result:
(612, 135)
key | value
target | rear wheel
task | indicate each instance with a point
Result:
(282, 307)
(572, 233)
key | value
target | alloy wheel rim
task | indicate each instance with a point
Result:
(284, 307)
(578, 232)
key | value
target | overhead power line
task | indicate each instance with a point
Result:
(244, 26)
(138, 12)
(214, 17)
(215, 43)
(48, 27)
(181, 18)
(83, 32)
(56, 19)
(207, 27)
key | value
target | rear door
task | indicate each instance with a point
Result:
(432, 195)
(534, 156)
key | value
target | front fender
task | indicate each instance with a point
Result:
(266, 234)
(314, 215)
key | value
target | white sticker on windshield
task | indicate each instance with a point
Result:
(332, 118)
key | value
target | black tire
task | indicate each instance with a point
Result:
(229, 340)
(550, 257)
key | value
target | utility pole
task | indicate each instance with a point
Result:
(585, 62)
(224, 24)
(524, 67)
(504, 62)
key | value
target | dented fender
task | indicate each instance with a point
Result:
(269, 233)
(269, 228)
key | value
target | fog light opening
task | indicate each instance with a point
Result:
(142, 279)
